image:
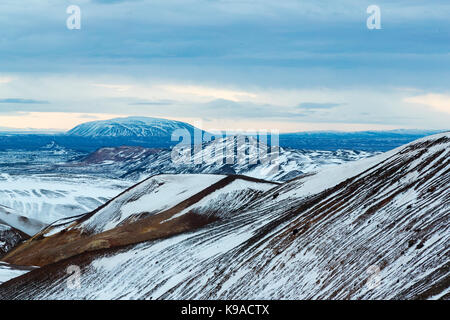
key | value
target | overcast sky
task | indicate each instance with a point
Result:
(288, 65)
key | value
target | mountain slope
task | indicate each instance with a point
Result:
(8, 271)
(159, 206)
(14, 228)
(130, 127)
(230, 155)
(377, 228)
(26, 225)
(9, 238)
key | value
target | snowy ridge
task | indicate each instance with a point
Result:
(229, 199)
(317, 237)
(228, 155)
(13, 219)
(149, 197)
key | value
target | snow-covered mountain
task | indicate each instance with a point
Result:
(230, 155)
(377, 228)
(130, 127)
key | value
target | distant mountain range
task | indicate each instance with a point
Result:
(359, 140)
(253, 159)
(157, 133)
(230, 155)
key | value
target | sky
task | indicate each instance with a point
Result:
(291, 65)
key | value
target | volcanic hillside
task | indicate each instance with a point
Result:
(157, 207)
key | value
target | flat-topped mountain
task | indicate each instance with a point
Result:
(137, 127)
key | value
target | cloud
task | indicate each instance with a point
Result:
(47, 120)
(23, 101)
(88, 116)
(233, 42)
(152, 103)
(438, 102)
(5, 80)
(116, 87)
(228, 109)
(209, 92)
(314, 105)
(147, 97)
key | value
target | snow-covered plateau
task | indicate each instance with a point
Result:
(130, 127)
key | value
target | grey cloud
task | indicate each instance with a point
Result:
(152, 103)
(240, 42)
(22, 101)
(231, 109)
(314, 105)
(219, 108)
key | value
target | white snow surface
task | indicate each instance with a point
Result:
(227, 198)
(151, 196)
(51, 197)
(14, 219)
(8, 272)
